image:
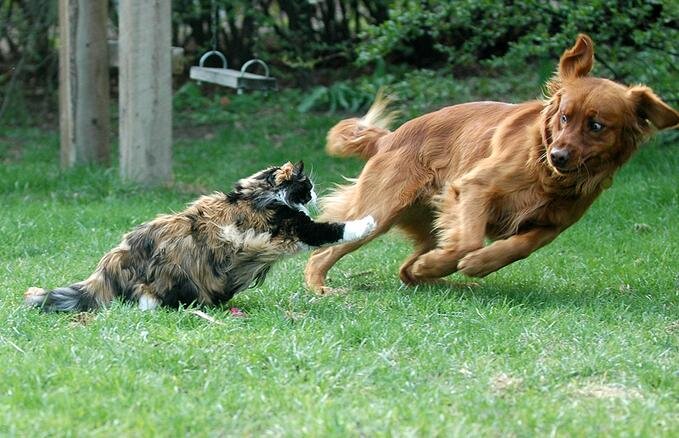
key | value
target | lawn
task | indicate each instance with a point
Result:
(581, 338)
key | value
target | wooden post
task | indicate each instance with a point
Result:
(145, 91)
(83, 82)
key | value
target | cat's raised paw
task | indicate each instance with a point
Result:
(358, 229)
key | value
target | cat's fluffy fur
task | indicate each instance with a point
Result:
(220, 245)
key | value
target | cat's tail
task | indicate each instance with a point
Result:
(361, 137)
(95, 292)
(67, 299)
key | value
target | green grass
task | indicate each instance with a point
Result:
(581, 338)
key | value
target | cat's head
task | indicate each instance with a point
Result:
(285, 184)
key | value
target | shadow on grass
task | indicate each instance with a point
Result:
(360, 292)
(537, 295)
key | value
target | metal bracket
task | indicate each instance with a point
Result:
(218, 54)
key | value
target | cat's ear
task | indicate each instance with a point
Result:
(285, 173)
(299, 167)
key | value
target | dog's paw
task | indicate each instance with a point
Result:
(327, 291)
(407, 277)
(417, 274)
(475, 264)
(358, 229)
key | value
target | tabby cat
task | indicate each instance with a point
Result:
(220, 245)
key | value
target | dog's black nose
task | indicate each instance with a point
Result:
(559, 157)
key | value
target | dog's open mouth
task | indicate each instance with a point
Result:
(562, 170)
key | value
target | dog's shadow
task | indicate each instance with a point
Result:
(539, 296)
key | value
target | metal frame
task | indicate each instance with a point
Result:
(238, 79)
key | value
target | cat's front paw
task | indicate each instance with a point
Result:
(358, 229)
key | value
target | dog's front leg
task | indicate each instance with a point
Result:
(462, 225)
(499, 254)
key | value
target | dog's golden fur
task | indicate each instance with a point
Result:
(517, 174)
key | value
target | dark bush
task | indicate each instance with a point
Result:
(28, 57)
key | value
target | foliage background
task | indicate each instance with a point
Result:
(326, 45)
(580, 339)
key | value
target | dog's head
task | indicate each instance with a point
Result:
(593, 125)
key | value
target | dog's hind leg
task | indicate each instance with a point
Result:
(417, 223)
(369, 195)
(323, 259)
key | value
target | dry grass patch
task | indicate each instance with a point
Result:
(608, 391)
(503, 382)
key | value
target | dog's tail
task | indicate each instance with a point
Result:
(361, 136)
(95, 292)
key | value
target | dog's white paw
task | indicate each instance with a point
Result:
(358, 229)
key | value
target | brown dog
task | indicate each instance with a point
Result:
(517, 174)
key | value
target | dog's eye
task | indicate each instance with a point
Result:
(595, 126)
(564, 119)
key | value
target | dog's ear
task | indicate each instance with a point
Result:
(577, 61)
(650, 107)
(549, 112)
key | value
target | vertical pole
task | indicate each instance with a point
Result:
(145, 81)
(83, 82)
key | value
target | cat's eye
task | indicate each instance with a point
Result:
(564, 119)
(595, 126)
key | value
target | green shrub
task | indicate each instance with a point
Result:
(418, 91)
(636, 40)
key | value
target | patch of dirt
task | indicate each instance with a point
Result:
(465, 371)
(295, 316)
(608, 391)
(642, 228)
(82, 318)
(502, 383)
(673, 327)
